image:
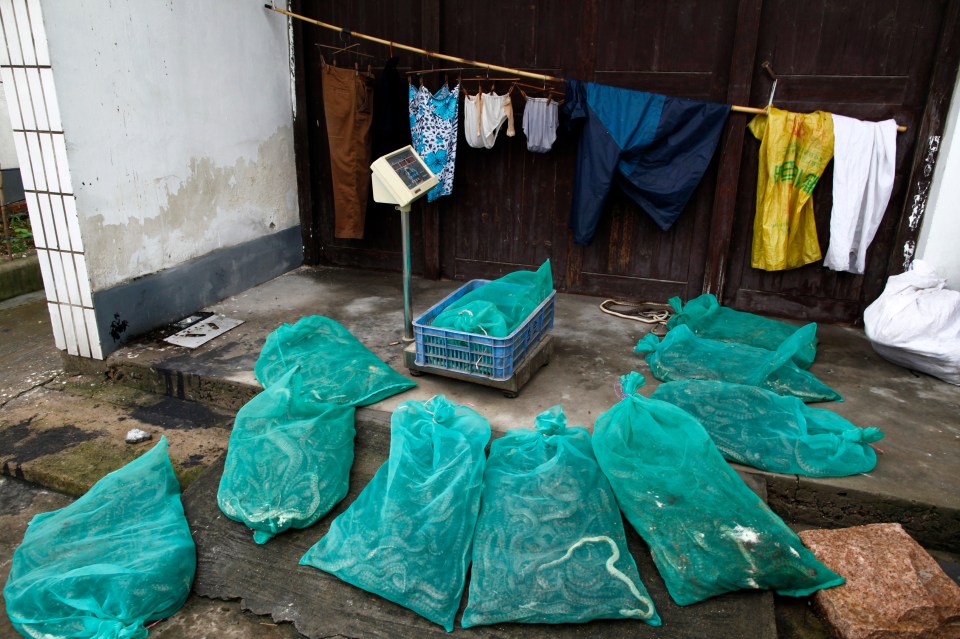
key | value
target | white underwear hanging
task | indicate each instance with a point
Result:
(484, 116)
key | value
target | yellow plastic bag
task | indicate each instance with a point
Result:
(795, 148)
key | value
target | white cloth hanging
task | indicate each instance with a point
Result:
(484, 115)
(864, 160)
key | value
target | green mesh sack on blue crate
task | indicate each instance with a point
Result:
(550, 545)
(407, 537)
(499, 307)
(707, 318)
(335, 366)
(117, 558)
(682, 355)
(707, 531)
(288, 459)
(758, 428)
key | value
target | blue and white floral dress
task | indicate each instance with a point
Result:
(433, 128)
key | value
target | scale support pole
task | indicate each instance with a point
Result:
(405, 236)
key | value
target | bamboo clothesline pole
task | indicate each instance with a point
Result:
(473, 63)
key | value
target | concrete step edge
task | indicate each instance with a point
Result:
(792, 497)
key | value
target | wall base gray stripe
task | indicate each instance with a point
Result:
(149, 302)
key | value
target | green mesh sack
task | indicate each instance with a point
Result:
(707, 318)
(288, 459)
(407, 536)
(758, 428)
(550, 545)
(335, 366)
(115, 559)
(708, 533)
(682, 355)
(498, 308)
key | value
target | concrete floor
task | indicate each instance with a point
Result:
(915, 482)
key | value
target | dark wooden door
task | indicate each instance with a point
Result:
(868, 60)
(871, 59)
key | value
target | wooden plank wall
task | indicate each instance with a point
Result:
(871, 59)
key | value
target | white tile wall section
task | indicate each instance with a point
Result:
(50, 96)
(49, 163)
(60, 221)
(69, 331)
(46, 221)
(36, 97)
(29, 123)
(80, 262)
(70, 277)
(90, 319)
(39, 35)
(83, 340)
(39, 238)
(47, 274)
(26, 33)
(63, 167)
(57, 325)
(73, 222)
(36, 160)
(59, 280)
(23, 155)
(10, 92)
(28, 82)
(10, 35)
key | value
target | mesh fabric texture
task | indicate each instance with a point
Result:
(707, 318)
(335, 366)
(288, 459)
(550, 545)
(118, 557)
(498, 308)
(682, 355)
(758, 428)
(407, 537)
(707, 531)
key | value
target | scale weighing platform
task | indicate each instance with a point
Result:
(400, 178)
(534, 361)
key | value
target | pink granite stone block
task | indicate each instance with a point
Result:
(894, 588)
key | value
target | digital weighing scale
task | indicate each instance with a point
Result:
(400, 178)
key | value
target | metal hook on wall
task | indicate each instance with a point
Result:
(766, 66)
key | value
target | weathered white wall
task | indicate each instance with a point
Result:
(177, 117)
(939, 241)
(8, 153)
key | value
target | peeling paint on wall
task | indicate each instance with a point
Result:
(909, 248)
(212, 206)
(923, 184)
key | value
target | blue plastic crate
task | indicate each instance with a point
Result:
(478, 355)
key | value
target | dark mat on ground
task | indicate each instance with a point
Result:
(270, 581)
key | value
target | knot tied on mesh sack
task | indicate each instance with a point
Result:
(499, 307)
(407, 535)
(683, 355)
(549, 544)
(116, 559)
(759, 428)
(707, 318)
(708, 533)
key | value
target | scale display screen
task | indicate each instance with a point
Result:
(401, 177)
(409, 168)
